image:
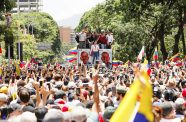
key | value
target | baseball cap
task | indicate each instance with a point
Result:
(64, 109)
(108, 113)
(4, 90)
(179, 103)
(3, 97)
(121, 89)
(59, 101)
(85, 93)
(184, 92)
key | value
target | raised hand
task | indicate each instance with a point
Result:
(36, 85)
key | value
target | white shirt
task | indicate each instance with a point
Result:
(95, 48)
(82, 37)
(110, 38)
(170, 120)
(72, 103)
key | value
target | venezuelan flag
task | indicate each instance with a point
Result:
(72, 60)
(175, 58)
(155, 57)
(0, 49)
(69, 57)
(73, 51)
(22, 64)
(179, 64)
(146, 66)
(144, 113)
(115, 63)
(126, 112)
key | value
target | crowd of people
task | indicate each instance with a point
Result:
(55, 93)
(86, 39)
(94, 42)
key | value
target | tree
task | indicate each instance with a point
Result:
(32, 29)
(135, 23)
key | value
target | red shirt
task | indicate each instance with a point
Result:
(102, 39)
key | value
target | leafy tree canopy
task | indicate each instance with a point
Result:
(152, 23)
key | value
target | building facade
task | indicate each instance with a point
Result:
(28, 6)
(67, 34)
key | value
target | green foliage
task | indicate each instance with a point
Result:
(6, 5)
(44, 30)
(66, 47)
(139, 22)
(33, 28)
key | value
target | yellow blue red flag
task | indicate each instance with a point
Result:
(141, 88)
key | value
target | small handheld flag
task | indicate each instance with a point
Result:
(73, 51)
(155, 57)
(141, 54)
(0, 49)
(175, 58)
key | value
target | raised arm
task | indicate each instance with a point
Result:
(96, 94)
(38, 98)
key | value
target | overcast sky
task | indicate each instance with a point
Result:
(62, 9)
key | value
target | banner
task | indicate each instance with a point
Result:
(84, 56)
(105, 56)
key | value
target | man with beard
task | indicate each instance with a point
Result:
(105, 59)
(120, 93)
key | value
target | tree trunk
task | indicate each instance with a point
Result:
(183, 38)
(183, 42)
(161, 35)
(178, 35)
(9, 42)
(150, 48)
